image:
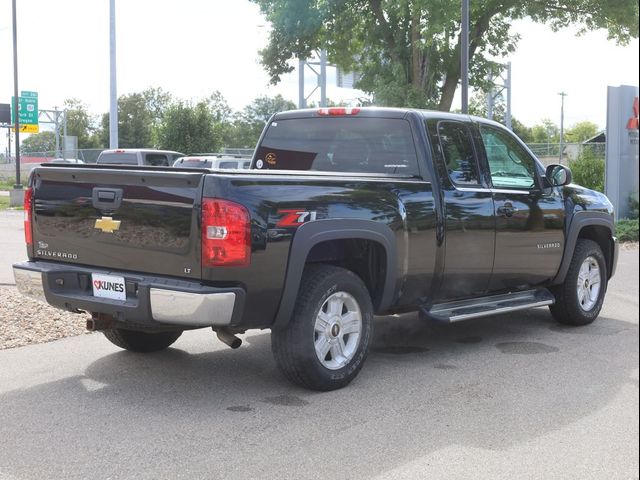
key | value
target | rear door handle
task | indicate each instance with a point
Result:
(507, 210)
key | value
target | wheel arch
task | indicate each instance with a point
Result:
(315, 241)
(596, 226)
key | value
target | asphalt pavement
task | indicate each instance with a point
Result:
(505, 397)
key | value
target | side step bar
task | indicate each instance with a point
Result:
(491, 305)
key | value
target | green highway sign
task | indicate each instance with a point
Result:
(27, 108)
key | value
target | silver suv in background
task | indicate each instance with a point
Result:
(138, 156)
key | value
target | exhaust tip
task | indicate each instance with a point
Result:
(228, 338)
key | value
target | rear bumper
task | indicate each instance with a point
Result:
(152, 302)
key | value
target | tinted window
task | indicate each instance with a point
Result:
(156, 159)
(510, 164)
(193, 164)
(458, 154)
(118, 159)
(351, 144)
(228, 164)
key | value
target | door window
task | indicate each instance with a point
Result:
(510, 164)
(458, 154)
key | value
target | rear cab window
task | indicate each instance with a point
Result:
(156, 159)
(116, 158)
(345, 144)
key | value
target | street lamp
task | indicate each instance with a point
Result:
(113, 109)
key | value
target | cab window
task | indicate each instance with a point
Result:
(510, 164)
(156, 160)
(458, 154)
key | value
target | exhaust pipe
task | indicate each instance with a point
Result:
(229, 338)
(99, 321)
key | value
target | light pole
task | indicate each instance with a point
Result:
(16, 99)
(562, 95)
(113, 109)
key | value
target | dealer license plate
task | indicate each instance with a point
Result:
(108, 286)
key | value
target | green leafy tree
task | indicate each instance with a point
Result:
(248, 124)
(545, 132)
(478, 107)
(580, 132)
(188, 128)
(39, 142)
(409, 51)
(81, 124)
(223, 118)
(588, 170)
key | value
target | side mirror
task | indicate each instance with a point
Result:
(558, 175)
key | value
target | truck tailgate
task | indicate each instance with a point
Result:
(123, 219)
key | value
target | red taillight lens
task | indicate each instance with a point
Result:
(338, 111)
(226, 234)
(28, 209)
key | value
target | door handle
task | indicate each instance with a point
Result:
(507, 210)
(106, 199)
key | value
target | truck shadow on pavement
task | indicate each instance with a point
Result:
(488, 384)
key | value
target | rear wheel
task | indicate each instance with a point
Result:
(326, 341)
(141, 342)
(579, 299)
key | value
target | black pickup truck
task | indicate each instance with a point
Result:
(346, 213)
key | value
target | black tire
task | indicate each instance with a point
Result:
(294, 346)
(141, 342)
(568, 309)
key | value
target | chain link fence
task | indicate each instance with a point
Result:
(547, 153)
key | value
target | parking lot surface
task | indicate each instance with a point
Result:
(512, 396)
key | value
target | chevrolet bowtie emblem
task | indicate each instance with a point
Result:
(107, 224)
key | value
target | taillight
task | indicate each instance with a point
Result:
(28, 209)
(226, 233)
(338, 111)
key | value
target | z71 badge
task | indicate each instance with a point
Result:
(295, 217)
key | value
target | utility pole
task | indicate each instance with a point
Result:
(113, 110)
(464, 56)
(507, 85)
(562, 95)
(302, 101)
(16, 99)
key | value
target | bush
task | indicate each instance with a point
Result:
(588, 170)
(633, 205)
(627, 230)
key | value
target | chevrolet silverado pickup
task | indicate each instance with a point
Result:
(346, 213)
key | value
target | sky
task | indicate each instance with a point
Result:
(194, 47)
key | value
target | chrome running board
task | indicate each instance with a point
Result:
(491, 305)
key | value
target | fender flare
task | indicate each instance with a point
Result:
(312, 233)
(580, 220)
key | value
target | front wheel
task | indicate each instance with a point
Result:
(141, 342)
(326, 341)
(579, 299)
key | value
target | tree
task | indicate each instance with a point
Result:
(478, 107)
(248, 125)
(188, 128)
(81, 124)
(545, 132)
(38, 143)
(409, 51)
(580, 132)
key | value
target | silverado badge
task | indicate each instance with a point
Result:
(107, 224)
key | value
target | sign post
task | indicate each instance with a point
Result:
(27, 112)
(621, 174)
